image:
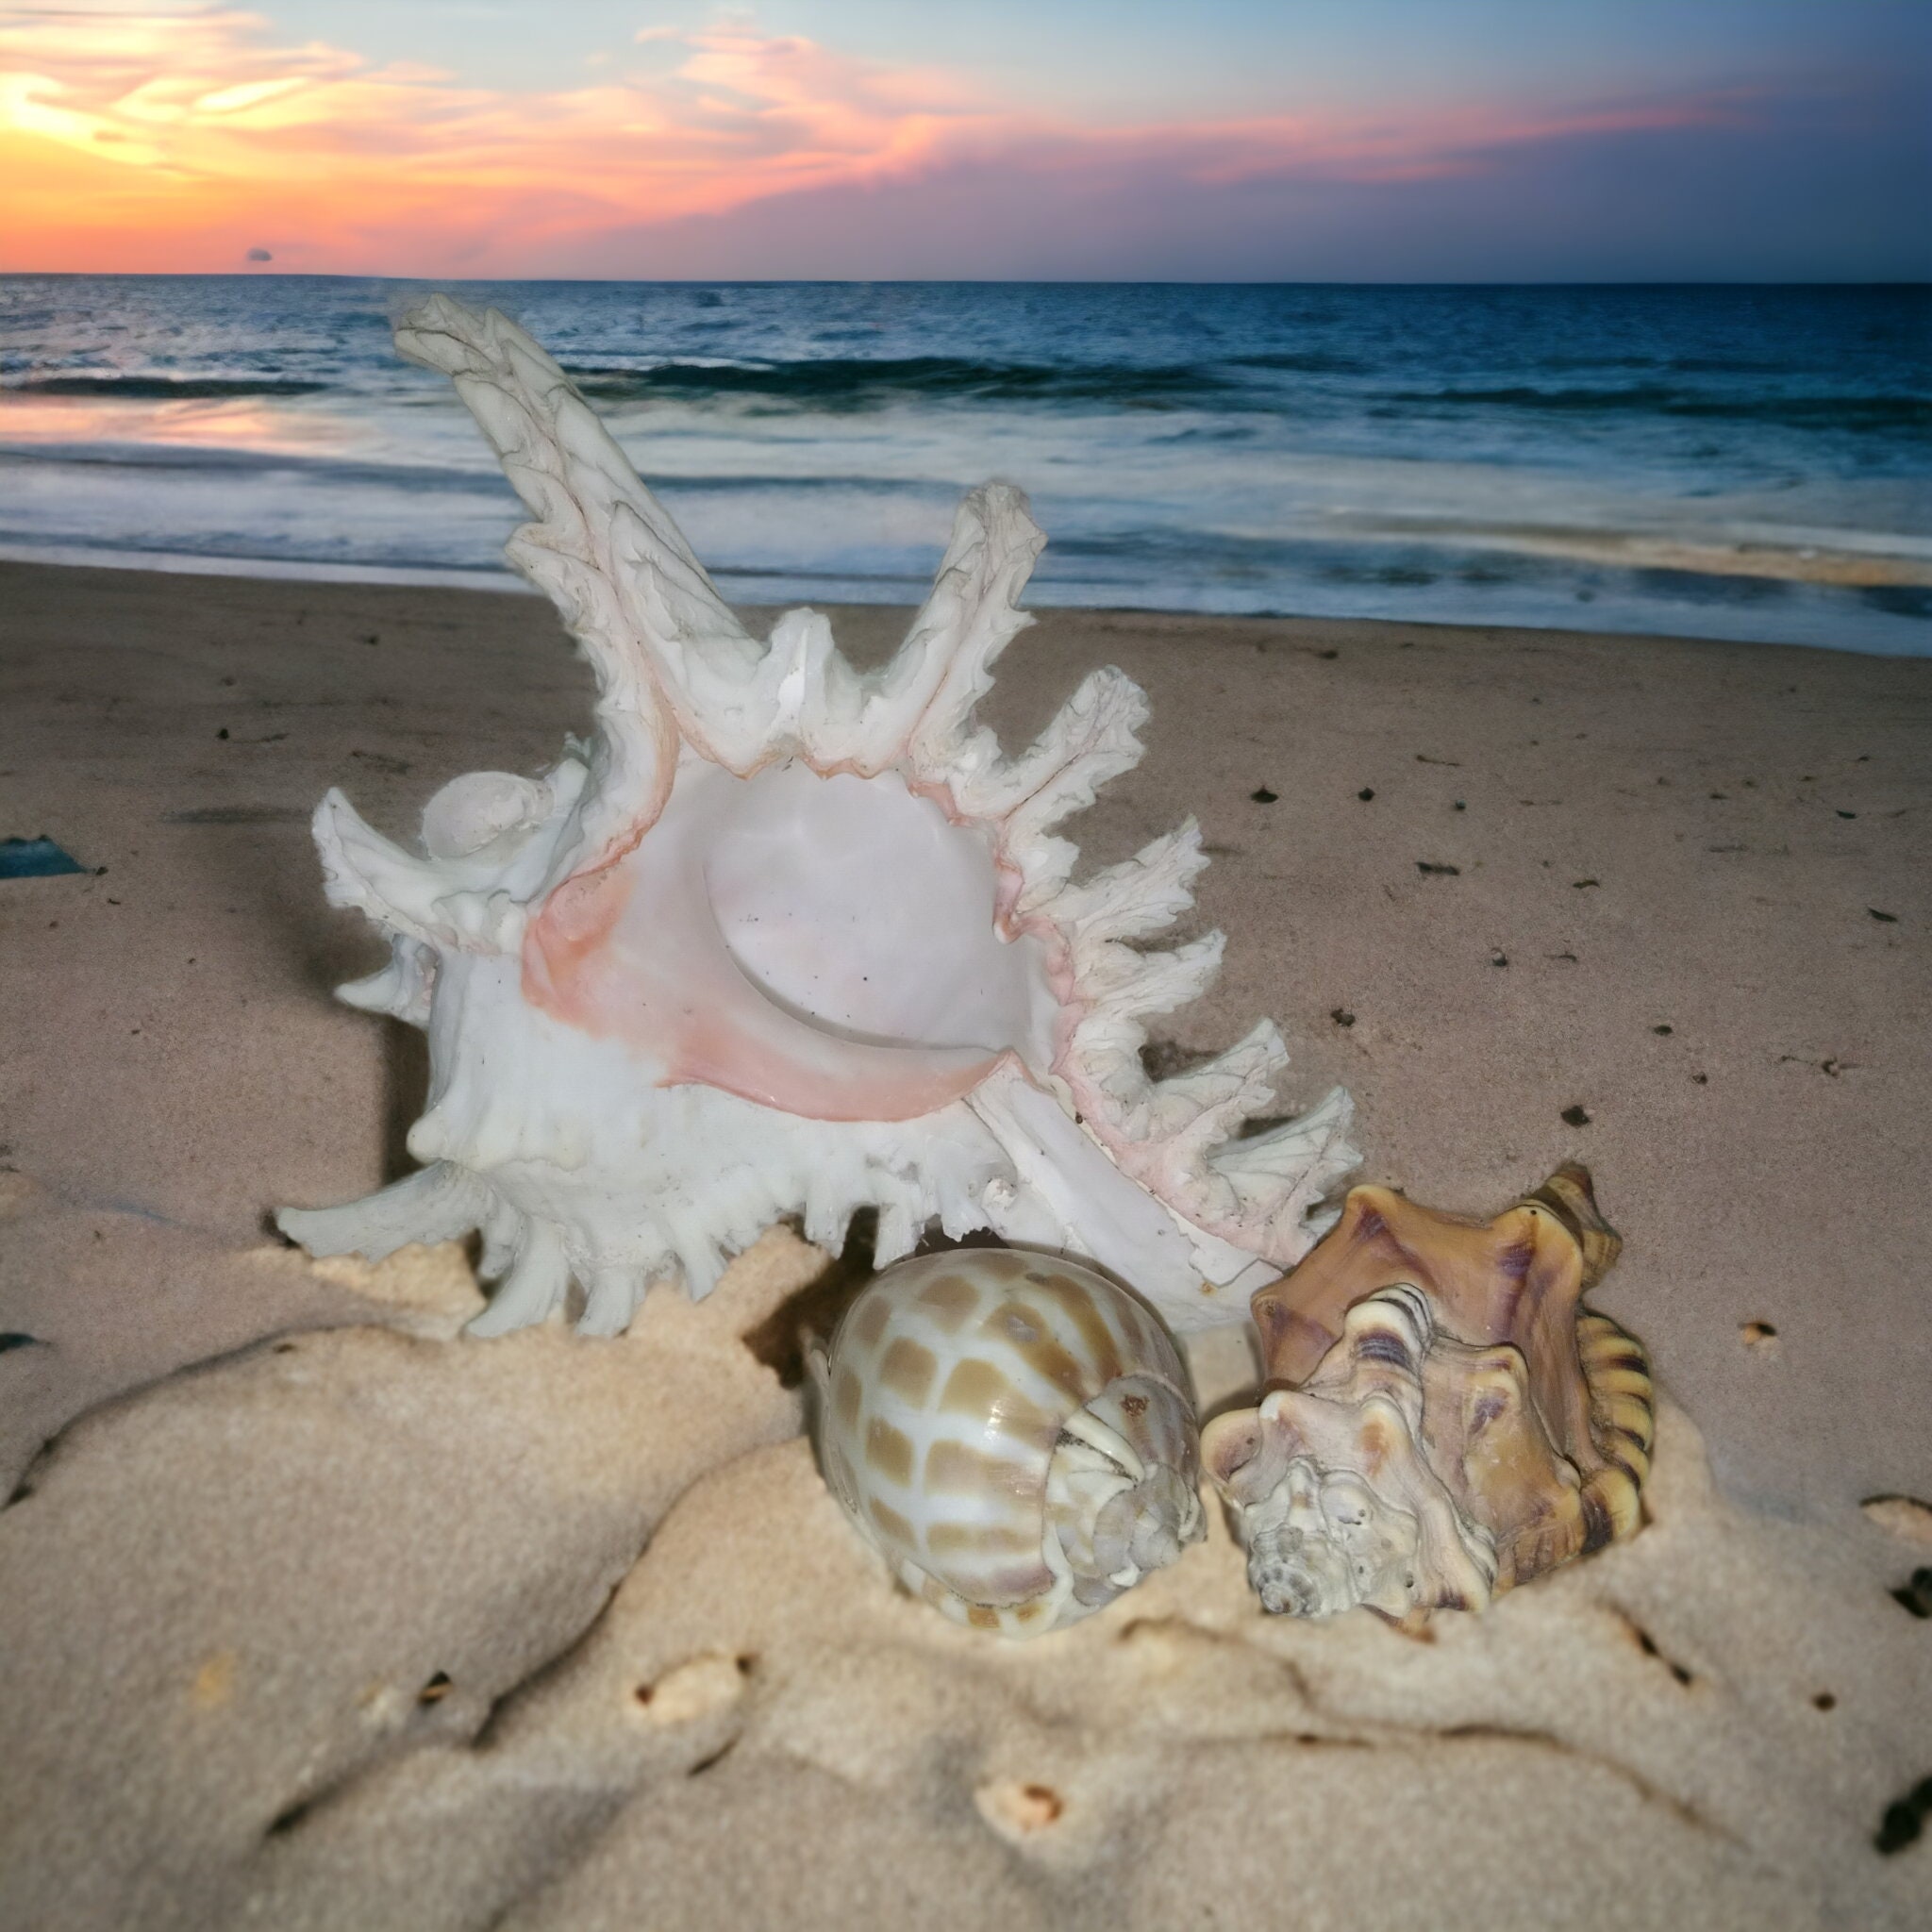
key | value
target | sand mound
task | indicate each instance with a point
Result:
(325, 1635)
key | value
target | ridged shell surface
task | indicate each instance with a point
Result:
(1445, 1419)
(1013, 1432)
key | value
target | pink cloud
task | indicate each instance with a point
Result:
(143, 138)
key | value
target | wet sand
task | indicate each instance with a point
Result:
(306, 1614)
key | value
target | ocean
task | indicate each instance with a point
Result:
(1739, 462)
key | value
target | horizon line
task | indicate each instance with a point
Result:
(259, 274)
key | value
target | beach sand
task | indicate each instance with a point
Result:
(314, 1614)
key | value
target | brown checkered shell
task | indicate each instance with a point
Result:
(1012, 1432)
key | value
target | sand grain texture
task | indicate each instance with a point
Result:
(315, 1615)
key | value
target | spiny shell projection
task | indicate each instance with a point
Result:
(1013, 1433)
(1445, 1419)
(786, 938)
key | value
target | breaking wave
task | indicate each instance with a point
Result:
(858, 383)
(163, 388)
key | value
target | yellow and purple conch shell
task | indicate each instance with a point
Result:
(1443, 1418)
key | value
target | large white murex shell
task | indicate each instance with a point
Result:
(785, 939)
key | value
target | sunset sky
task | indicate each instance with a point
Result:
(1252, 139)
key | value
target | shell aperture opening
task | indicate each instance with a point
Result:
(825, 947)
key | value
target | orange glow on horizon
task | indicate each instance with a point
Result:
(173, 142)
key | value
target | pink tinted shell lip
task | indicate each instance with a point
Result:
(721, 1030)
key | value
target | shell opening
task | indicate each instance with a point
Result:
(858, 908)
(1122, 1494)
(825, 946)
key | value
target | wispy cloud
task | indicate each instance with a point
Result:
(140, 137)
(135, 134)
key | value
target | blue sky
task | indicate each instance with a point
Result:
(1160, 56)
